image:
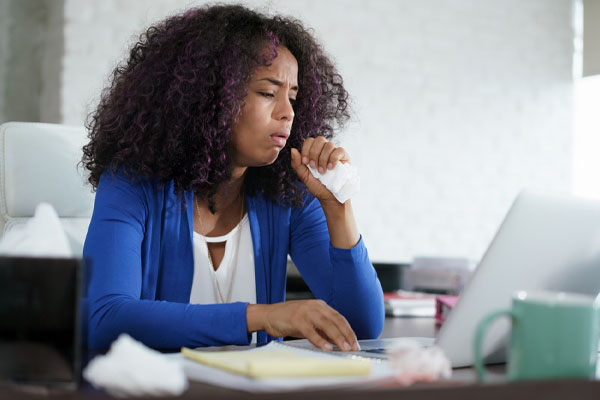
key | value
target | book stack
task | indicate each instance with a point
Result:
(409, 304)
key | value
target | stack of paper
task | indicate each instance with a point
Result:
(279, 362)
(409, 304)
(290, 371)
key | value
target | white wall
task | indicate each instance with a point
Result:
(459, 104)
(586, 138)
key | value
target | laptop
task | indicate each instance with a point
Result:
(544, 243)
(40, 335)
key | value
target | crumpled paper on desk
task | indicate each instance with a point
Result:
(342, 181)
(132, 369)
(41, 236)
(412, 363)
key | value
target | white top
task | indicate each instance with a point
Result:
(243, 287)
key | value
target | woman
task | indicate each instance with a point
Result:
(199, 152)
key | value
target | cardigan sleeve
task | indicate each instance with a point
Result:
(344, 278)
(114, 247)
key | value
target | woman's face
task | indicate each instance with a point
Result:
(264, 125)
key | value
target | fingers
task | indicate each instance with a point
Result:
(313, 320)
(339, 154)
(321, 154)
(306, 150)
(335, 327)
(324, 157)
(316, 148)
(318, 340)
(314, 186)
(301, 170)
(296, 158)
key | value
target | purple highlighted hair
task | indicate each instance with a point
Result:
(167, 113)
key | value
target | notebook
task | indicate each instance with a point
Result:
(276, 360)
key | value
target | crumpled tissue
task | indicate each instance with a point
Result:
(41, 236)
(412, 363)
(132, 369)
(342, 181)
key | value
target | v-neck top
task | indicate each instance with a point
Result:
(241, 277)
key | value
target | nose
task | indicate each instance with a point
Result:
(284, 110)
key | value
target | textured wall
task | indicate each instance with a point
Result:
(23, 78)
(4, 31)
(591, 37)
(458, 104)
(51, 68)
(30, 60)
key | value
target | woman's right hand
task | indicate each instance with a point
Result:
(310, 319)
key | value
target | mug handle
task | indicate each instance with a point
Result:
(481, 328)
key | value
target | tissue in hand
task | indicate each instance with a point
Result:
(132, 369)
(41, 236)
(342, 181)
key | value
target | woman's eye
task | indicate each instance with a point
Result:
(265, 94)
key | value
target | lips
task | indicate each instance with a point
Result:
(280, 137)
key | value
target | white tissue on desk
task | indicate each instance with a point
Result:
(132, 369)
(41, 236)
(342, 181)
(412, 362)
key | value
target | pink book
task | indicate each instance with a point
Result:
(443, 306)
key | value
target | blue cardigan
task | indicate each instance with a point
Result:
(140, 245)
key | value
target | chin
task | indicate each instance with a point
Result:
(271, 158)
(266, 163)
(264, 158)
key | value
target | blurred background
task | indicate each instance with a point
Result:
(457, 104)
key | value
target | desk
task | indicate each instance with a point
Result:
(462, 386)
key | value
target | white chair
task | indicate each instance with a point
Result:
(38, 163)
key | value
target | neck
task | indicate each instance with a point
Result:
(229, 193)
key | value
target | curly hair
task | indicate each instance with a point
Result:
(168, 111)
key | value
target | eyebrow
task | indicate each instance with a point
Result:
(278, 83)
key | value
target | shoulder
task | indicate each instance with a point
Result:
(122, 181)
(120, 178)
(127, 190)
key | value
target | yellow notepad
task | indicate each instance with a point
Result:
(279, 362)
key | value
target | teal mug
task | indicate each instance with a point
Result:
(554, 335)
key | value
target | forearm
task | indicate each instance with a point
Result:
(355, 278)
(255, 317)
(166, 325)
(343, 231)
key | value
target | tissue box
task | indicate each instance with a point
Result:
(40, 335)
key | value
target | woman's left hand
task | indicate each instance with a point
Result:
(321, 154)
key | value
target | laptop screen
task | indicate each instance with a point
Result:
(39, 319)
